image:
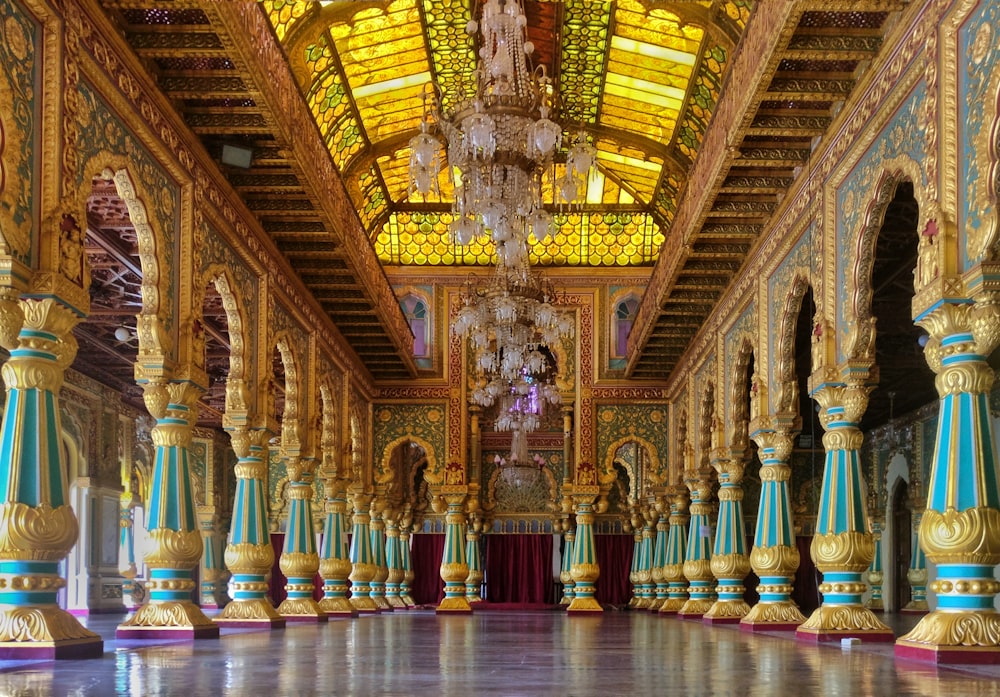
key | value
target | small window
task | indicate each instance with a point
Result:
(415, 310)
(624, 317)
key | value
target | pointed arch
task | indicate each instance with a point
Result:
(291, 428)
(739, 413)
(238, 395)
(654, 460)
(785, 384)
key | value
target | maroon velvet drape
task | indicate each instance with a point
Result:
(518, 569)
(426, 550)
(614, 557)
(278, 579)
(806, 583)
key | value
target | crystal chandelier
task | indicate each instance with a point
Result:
(500, 141)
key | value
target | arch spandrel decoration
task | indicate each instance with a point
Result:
(425, 424)
(898, 151)
(384, 473)
(239, 397)
(737, 436)
(104, 145)
(291, 428)
(656, 471)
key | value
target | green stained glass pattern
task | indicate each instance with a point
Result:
(702, 98)
(584, 43)
(452, 51)
(738, 11)
(284, 13)
(373, 197)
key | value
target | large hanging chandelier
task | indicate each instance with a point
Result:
(500, 141)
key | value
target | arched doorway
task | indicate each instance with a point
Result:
(901, 546)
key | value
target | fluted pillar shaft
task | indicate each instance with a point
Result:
(960, 529)
(362, 564)
(633, 575)
(454, 565)
(474, 580)
(875, 572)
(842, 547)
(126, 549)
(698, 561)
(673, 567)
(730, 561)
(660, 558)
(565, 573)
(37, 526)
(249, 555)
(334, 558)
(299, 558)
(377, 591)
(644, 572)
(917, 573)
(584, 568)
(775, 556)
(175, 541)
(394, 563)
(408, 573)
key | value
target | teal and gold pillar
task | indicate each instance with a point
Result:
(960, 529)
(842, 546)
(775, 556)
(565, 573)
(698, 562)
(362, 564)
(673, 565)
(249, 555)
(875, 574)
(584, 568)
(394, 562)
(633, 575)
(474, 580)
(660, 555)
(299, 560)
(335, 561)
(126, 548)
(174, 537)
(454, 566)
(644, 571)
(730, 562)
(377, 527)
(917, 573)
(37, 526)
(405, 523)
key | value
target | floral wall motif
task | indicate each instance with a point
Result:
(977, 84)
(428, 422)
(903, 137)
(18, 68)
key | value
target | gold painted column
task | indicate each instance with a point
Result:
(774, 556)
(299, 560)
(842, 546)
(335, 561)
(174, 538)
(730, 562)
(249, 555)
(454, 567)
(378, 556)
(698, 561)
(473, 582)
(660, 553)
(362, 567)
(37, 526)
(960, 529)
(673, 566)
(584, 568)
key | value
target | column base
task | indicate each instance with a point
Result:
(338, 607)
(655, 606)
(781, 616)
(726, 612)
(364, 605)
(672, 606)
(953, 638)
(916, 607)
(695, 608)
(168, 620)
(833, 623)
(584, 605)
(566, 600)
(454, 606)
(381, 604)
(46, 632)
(257, 612)
(301, 610)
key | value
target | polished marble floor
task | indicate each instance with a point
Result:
(495, 653)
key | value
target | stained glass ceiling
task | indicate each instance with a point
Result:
(640, 78)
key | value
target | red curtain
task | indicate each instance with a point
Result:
(614, 557)
(426, 550)
(806, 589)
(518, 569)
